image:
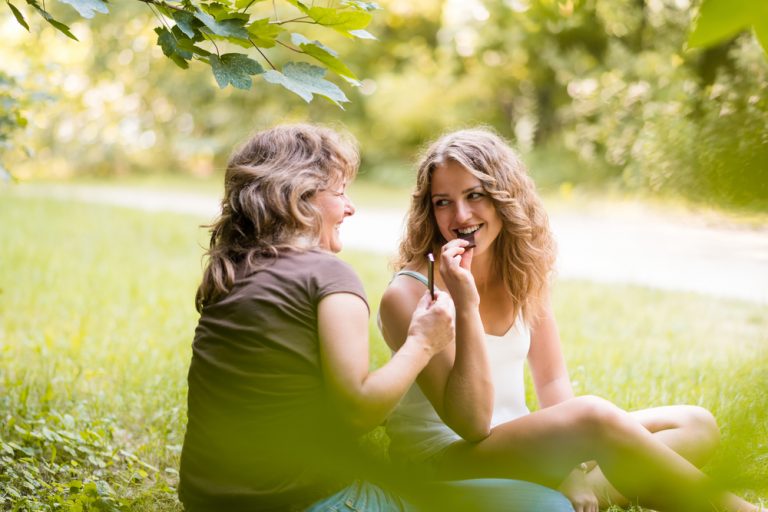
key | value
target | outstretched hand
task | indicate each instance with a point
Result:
(455, 269)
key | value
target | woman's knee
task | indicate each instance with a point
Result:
(598, 416)
(701, 425)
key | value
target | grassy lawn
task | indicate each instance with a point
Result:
(97, 317)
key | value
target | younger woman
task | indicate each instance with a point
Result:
(477, 210)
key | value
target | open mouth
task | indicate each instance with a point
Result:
(468, 234)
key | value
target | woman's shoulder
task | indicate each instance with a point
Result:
(321, 273)
(304, 266)
(319, 262)
(408, 284)
(313, 259)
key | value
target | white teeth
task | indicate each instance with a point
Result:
(466, 231)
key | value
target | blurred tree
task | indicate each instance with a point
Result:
(605, 89)
(203, 31)
(11, 117)
(614, 83)
(194, 29)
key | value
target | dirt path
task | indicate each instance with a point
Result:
(627, 246)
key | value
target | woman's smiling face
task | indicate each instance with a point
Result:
(462, 206)
(334, 206)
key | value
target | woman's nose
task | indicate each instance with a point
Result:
(349, 207)
(462, 212)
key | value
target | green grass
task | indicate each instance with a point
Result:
(97, 317)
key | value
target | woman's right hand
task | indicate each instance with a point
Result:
(455, 269)
(433, 322)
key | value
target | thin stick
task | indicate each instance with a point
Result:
(431, 274)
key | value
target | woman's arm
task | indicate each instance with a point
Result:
(366, 398)
(469, 388)
(457, 381)
(548, 369)
(553, 385)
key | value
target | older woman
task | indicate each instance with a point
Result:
(279, 385)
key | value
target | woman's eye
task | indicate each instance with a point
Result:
(475, 195)
(441, 202)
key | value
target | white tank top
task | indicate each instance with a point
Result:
(416, 431)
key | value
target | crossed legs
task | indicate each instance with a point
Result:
(690, 431)
(631, 450)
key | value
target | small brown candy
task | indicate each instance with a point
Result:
(469, 237)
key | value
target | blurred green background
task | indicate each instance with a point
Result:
(597, 93)
(603, 97)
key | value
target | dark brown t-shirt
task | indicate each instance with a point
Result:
(258, 417)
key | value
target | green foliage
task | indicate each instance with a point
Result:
(88, 8)
(243, 24)
(173, 49)
(235, 69)
(14, 100)
(47, 16)
(713, 149)
(722, 19)
(324, 54)
(17, 14)
(615, 86)
(203, 32)
(611, 88)
(10, 117)
(63, 462)
(305, 80)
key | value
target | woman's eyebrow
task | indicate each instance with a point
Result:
(470, 189)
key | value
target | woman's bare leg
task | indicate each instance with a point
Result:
(690, 431)
(546, 445)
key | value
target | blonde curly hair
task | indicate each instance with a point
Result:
(524, 252)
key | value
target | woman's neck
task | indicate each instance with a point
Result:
(483, 271)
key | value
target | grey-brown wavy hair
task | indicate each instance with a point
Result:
(268, 187)
(524, 252)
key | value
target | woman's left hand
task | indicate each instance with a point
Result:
(579, 492)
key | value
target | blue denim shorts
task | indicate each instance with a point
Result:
(361, 497)
(480, 495)
(491, 495)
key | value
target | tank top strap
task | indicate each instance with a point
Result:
(416, 275)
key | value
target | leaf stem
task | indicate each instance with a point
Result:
(300, 19)
(161, 19)
(289, 47)
(218, 54)
(160, 3)
(248, 6)
(263, 55)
